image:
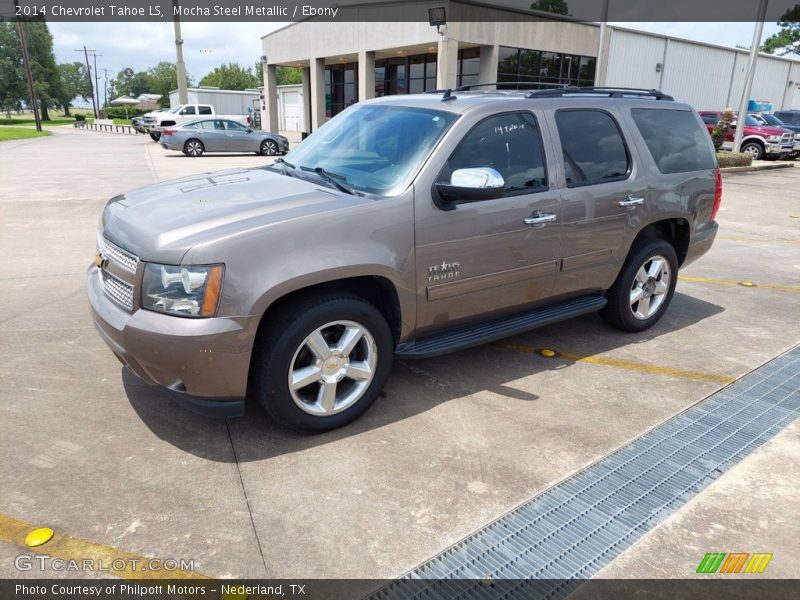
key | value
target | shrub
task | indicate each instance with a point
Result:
(80, 117)
(118, 112)
(720, 132)
(734, 159)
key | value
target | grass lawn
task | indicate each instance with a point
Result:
(29, 121)
(19, 133)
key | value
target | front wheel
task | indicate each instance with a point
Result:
(193, 148)
(322, 362)
(269, 148)
(644, 287)
(753, 149)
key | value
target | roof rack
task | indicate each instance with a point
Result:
(512, 85)
(611, 92)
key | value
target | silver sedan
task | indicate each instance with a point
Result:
(221, 135)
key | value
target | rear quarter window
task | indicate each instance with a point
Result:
(676, 141)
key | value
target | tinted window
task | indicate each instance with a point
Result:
(189, 110)
(789, 117)
(234, 126)
(204, 110)
(594, 151)
(711, 119)
(676, 141)
(508, 143)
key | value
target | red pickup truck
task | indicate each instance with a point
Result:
(759, 140)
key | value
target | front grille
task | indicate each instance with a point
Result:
(119, 291)
(787, 138)
(124, 259)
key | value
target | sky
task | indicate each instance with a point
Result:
(207, 45)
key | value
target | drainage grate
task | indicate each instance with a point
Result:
(573, 529)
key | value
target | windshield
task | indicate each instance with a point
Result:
(772, 120)
(373, 148)
(174, 110)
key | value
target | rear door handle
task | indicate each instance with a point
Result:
(631, 201)
(538, 218)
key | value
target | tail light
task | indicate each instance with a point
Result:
(248, 119)
(168, 132)
(717, 194)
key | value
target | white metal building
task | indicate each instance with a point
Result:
(359, 57)
(225, 102)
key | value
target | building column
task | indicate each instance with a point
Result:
(317, 93)
(270, 98)
(366, 75)
(488, 65)
(306, 95)
(447, 64)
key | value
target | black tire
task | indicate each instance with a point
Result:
(193, 148)
(155, 136)
(280, 346)
(269, 148)
(620, 311)
(754, 149)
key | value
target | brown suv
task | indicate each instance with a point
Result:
(406, 226)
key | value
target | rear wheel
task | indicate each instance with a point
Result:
(325, 362)
(269, 148)
(753, 149)
(155, 136)
(193, 148)
(644, 287)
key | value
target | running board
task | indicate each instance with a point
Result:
(496, 329)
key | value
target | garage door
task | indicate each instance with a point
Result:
(291, 111)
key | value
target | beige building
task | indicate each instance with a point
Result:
(369, 52)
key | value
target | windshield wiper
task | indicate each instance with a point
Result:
(334, 179)
(285, 170)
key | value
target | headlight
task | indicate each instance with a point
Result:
(773, 138)
(186, 291)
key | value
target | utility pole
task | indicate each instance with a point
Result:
(26, 60)
(89, 73)
(96, 77)
(751, 71)
(600, 63)
(180, 67)
(105, 85)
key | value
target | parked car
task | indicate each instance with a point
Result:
(136, 123)
(759, 140)
(154, 122)
(789, 117)
(221, 135)
(406, 226)
(772, 120)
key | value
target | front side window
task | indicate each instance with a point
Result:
(373, 148)
(509, 143)
(189, 110)
(234, 126)
(677, 143)
(594, 151)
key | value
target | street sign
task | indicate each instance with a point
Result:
(128, 72)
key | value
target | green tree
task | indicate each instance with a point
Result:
(163, 79)
(284, 75)
(139, 83)
(13, 90)
(46, 76)
(557, 7)
(74, 83)
(787, 40)
(231, 76)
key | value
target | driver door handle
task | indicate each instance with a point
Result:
(538, 218)
(631, 201)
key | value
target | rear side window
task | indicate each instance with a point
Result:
(204, 110)
(676, 141)
(594, 151)
(710, 119)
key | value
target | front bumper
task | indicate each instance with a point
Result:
(206, 361)
(701, 243)
(778, 149)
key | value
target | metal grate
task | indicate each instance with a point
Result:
(119, 291)
(123, 258)
(575, 528)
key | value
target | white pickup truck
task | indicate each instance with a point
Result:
(154, 122)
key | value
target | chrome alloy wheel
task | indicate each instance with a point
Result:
(269, 148)
(194, 148)
(332, 368)
(650, 287)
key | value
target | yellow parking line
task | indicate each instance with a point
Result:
(750, 284)
(102, 557)
(621, 364)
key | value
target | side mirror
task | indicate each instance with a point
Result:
(249, 130)
(472, 185)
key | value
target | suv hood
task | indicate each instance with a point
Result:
(767, 129)
(162, 222)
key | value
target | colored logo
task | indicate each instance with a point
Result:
(734, 562)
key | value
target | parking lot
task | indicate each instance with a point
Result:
(454, 443)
